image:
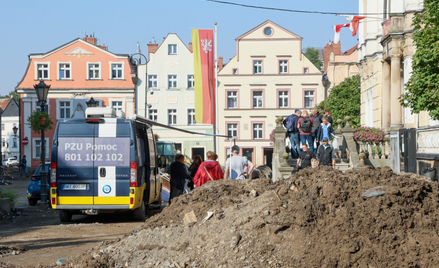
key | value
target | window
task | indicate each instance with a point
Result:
(37, 106)
(116, 71)
(235, 71)
(152, 81)
(268, 31)
(172, 81)
(14, 143)
(153, 115)
(64, 109)
(248, 152)
(3, 142)
(190, 81)
(283, 99)
(306, 70)
(232, 130)
(64, 71)
(257, 131)
(94, 71)
(42, 71)
(257, 67)
(37, 148)
(191, 117)
(3, 126)
(172, 49)
(232, 99)
(172, 116)
(309, 98)
(116, 105)
(283, 67)
(257, 99)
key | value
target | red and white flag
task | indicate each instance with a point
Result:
(354, 20)
(337, 29)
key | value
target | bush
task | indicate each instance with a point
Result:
(11, 194)
(34, 121)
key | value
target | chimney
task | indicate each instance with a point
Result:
(152, 48)
(190, 47)
(90, 39)
(330, 48)
(220, 63)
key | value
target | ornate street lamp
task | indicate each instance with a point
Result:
(15, 129)
(134, 63)
(91, 103)
(42, 91)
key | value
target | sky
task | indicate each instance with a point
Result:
(39, 26)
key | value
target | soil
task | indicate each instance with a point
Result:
(317, 218)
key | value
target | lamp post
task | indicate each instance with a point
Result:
(42, 91)
(135, 62)
(91, 103)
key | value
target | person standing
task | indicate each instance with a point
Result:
(326, 154)
(23, 165)
(290, 123)
(209, 170)
(235, 165)
(178, 176)
(317, 118)
(326, 113)
(305, 124)
(306, 158)
(325, 130)
(194, 168)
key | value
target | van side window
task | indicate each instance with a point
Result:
(152, 155)
(141, 144)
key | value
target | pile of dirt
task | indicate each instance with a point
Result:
(317, 218)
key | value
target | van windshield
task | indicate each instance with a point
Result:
(165, 149)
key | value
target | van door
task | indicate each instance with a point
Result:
(144, 169)
(75, 175)
(154, 174)
(111, 158)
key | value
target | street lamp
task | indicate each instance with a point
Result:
(15, 129)
(42, 91)
(135, 62)
(91, 103)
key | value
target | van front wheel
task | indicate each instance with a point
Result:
(140, 213)
(65, 216)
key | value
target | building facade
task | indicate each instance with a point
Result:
(10, 119)
(339, 66)
(75, 71)
(385, 54)
(268, 77)
(170, 78)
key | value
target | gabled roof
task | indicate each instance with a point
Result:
(42, 55)
(262, 25)
(351, 50)
(167, 38)
(4, 103)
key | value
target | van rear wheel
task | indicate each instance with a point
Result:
(65, 216)
(140, 213)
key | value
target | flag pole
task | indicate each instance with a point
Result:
(215, 139)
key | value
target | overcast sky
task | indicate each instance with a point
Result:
(40, 26)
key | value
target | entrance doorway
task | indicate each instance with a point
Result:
(268, 157)
(198, 151)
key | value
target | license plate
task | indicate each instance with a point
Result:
(75, 187)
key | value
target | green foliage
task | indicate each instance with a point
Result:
(422, 90)
(313, 55)
(344, 100)
(8, 194)
(34, 121)
(13, 94)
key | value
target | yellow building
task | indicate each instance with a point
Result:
(268, 77)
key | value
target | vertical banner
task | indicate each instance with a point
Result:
(204, 76)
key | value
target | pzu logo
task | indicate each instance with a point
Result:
(106, 189)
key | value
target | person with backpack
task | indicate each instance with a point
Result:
(305, 124)
(290, 123)
(317, 118)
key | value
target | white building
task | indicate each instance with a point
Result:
(9, 120)
(170, 76)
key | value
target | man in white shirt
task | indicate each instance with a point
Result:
(235, 166)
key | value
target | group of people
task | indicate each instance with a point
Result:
(199, 173)
(307, 130)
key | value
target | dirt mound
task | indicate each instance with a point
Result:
(317, 218)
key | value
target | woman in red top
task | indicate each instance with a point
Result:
(210, 170)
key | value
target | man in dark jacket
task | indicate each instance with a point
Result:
(290, 123)
(325, 130)
(317, 118)
(325, 154)
(178, 176)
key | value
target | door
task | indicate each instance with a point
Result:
(198, 151)
(268, 155)
(154, 174)
(248, 153)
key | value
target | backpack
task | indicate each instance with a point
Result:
(291, 124)
(306, 125)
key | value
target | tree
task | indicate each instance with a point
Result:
(345, 99)
(313, 55)
(423, 86)
(12, 94)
